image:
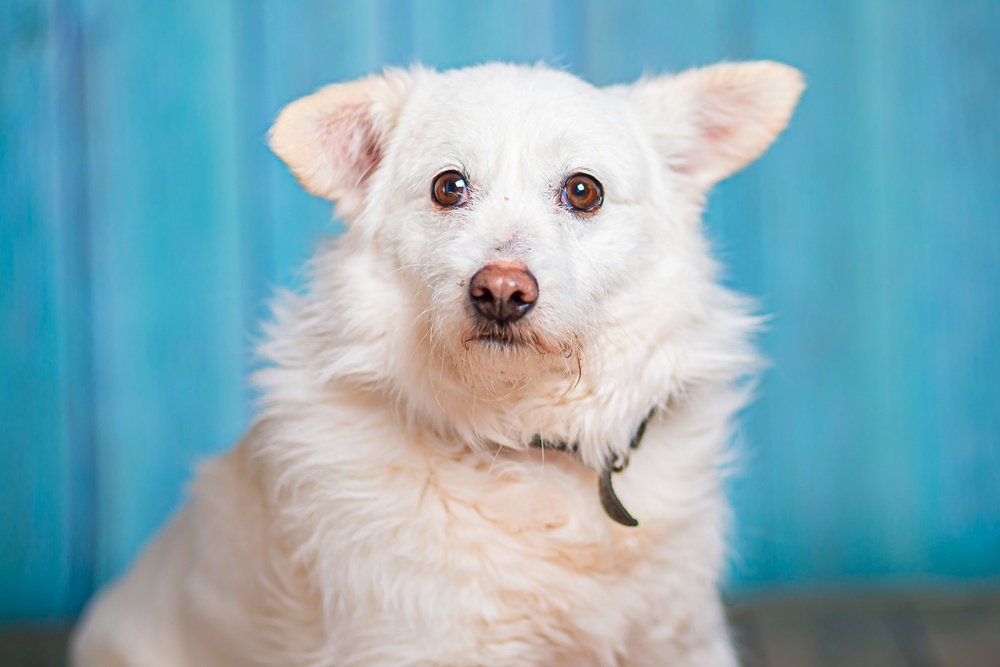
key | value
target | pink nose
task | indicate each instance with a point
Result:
(503, 291)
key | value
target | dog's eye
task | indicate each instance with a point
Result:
(449, 188)
(583, 193)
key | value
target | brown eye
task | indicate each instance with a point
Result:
(583, 193)
(449, 188)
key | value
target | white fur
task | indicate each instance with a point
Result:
(385, 508)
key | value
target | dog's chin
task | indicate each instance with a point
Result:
(498, 360)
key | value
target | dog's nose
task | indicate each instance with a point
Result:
(503, 292)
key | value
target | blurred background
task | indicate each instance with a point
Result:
(144, 223)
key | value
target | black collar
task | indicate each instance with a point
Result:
(614, 463)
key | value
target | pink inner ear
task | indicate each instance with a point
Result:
(718, 125)
(716, 133)
(726, 110)
(352, 143)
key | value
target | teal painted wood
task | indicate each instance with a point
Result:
(35, 503)
(947, 275)
(305, 46)
(46, 426)
(810, 235)
(168, 308)
(75, 312)
(857, 458)
(143, 224)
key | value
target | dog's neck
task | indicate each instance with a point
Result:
(615, 462)
(516, 381)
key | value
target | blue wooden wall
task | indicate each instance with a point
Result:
(143, 224)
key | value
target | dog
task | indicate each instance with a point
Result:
(493, 428)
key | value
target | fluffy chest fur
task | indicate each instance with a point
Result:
(506, 556)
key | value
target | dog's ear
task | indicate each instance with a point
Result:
(711, 122)
(333, 139)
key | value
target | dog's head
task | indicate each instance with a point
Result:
(518, 213)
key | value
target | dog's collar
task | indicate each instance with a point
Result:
(615, 462)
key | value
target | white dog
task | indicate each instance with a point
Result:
(517, 352)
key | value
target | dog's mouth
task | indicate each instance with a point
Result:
(499, 336)
(509, 337)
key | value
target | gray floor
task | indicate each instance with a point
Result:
(900, 631)
(929, 631)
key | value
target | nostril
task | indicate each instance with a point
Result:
(484, 297)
